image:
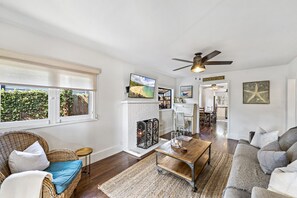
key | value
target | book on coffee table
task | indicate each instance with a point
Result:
(184, 138)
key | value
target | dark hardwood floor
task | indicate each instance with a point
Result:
(107, 168)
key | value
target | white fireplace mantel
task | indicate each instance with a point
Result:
(134, 111)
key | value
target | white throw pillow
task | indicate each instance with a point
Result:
(284, 180)
(292, 167)
(267, 138)
(32, 158)
(256, 141)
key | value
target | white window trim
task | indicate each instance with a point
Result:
(24, 123)
(54, 118)
(89, 116)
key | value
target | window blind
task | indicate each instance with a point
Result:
(27, 70)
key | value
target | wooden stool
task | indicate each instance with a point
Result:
(85, 152)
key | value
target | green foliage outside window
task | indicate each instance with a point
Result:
(18, 105)
(66, 102)
(23, 105)
(73, 102)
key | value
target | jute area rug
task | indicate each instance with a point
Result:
(142, 180)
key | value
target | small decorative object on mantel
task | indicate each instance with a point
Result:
(256, 92)
(178, 100)
(186, 91)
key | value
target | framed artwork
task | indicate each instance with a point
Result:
(256, 92)
(186, 91)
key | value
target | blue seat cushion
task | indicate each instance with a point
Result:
(64, 173)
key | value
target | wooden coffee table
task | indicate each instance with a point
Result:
(186, 165)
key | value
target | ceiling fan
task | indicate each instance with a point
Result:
(199, 62)
(213, 86)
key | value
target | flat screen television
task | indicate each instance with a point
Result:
(141, 87)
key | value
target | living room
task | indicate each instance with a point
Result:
(112, 40)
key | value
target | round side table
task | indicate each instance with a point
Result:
(85, 152)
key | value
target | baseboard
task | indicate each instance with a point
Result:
(233, 136)
(99, 155)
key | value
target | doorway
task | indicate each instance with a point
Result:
(214, 108)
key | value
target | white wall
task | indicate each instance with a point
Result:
(105, 134)
(246, 117)
(166, 121)
(292, 105)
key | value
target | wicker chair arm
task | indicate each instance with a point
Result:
(48, 188)
(61, 155)
(2, 177)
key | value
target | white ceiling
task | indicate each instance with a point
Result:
(148, 33)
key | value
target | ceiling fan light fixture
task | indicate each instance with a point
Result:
(199, 62)
(198, 68)
(214, 87)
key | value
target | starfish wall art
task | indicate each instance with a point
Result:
(256, 92)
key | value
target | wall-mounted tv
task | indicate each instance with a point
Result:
(141, 87)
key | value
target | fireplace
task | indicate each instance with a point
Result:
(147, 133)
(143, 111)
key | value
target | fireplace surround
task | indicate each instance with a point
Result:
(133, 112)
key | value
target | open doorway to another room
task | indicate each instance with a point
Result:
(213, 109)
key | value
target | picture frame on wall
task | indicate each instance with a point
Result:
(256, 92)
(186, 91)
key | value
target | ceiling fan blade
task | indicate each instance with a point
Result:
(182, 67)
(211, 55)
(218, 63)
(187, 61)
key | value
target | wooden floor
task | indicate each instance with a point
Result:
(105, 169)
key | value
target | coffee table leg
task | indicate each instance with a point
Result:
(192, 166)
(160, 170)
(209, 154)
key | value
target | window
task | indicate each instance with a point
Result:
(22, 105)
(75, 105)
(36, 91)
(19, 103)
(165, 98)
(73, 102)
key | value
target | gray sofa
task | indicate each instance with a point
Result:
(246, 177)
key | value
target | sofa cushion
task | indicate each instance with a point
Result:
(288, 139)
(268, 137)
(241, 141)
(270, 160)
(271, 157)
(236, 193)
(273, 146)
(256, 140)
(284, 180)
(292, 152)
(246, 171)
(262, 138)
(64, 173)
(264, 193)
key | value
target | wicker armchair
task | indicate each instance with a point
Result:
(20, 140)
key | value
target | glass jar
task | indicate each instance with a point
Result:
(175, 140)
